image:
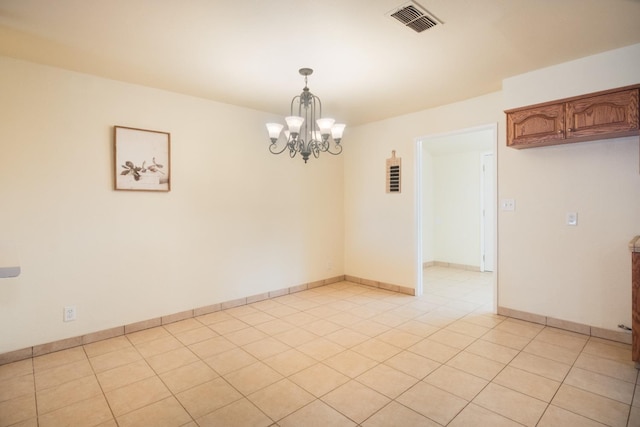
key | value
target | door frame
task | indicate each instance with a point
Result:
(418, 226)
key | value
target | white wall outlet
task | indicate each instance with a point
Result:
(508, 204)
(572, 218)
(69, 313)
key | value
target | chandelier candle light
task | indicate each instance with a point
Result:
(306, 134)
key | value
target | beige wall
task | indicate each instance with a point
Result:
(237, 222)
(582, 273)
(381, 230)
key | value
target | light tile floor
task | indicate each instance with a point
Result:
(339, 355)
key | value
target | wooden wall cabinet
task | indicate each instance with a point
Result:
(608, 114)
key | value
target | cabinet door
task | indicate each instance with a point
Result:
(535, 126)
(603, 114)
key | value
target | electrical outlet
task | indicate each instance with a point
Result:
(69, 313)
(508, 204)
(329, 265)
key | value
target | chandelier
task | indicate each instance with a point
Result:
(306, 134)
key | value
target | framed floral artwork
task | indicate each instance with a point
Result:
(142, 159)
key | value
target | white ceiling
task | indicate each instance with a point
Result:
(367, 66)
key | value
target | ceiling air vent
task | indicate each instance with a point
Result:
(414, 16)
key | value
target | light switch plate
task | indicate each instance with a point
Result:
(508, 204)
(572, 218)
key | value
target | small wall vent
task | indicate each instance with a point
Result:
(393, 173)
(414, 16)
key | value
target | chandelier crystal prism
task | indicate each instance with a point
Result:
(305, 133)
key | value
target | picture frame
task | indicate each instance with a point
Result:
(142, 159)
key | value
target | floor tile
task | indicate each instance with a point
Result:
(476, 365)
(196, 335)
(369, 328)
(561, 338)
(400, 339)
(527, 383)
(552, 351)
(171, 359)
(511, 404)
(89, 412)
(456, 382)
(387, 380)
(555, 416)
(245, 336)
(67, 393)
(257, 318)
(114, 359)
(341, 354)
(316, 414)
(477, 416)
(211, 347)
(241, 413)
(265, 347)
(541, 366)
(18, 386)
(347, 337)
(356, 401)
(252, 378)
(603, 385)
(319, 379)
(215, 317)
(350, 363)
(434, 350)
(182, 326)
(124, 375)
(296, 337)
(492, 351)
(608, 350)
(59, 358)
(274, 327)
(322, 327)
(230, 361)
(280, 399)
(228, 326)
(106, 346)
(18, 409)
(452, 339)
(412, 364)
(188, 376)
(622, 370)
(590, 405)
(376, 349)
(417, 328)
(520, 328)
(136, 395)
(463, 327)
(320, 348)
(289, 362)
(206, 398)
(164, 413)
(147, 335)
(396, 415)
(162, 345)
(432, 402)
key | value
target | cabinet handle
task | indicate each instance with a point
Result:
(569, 130)
(560, 131)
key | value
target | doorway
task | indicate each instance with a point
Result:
(456, 201)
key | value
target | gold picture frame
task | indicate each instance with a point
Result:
(142, 159)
